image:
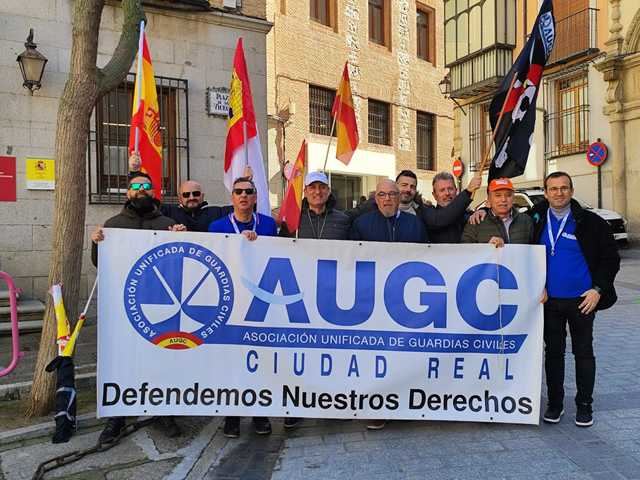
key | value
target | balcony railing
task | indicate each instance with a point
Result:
(480, 72)
(576, 35)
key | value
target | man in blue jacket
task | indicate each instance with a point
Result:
(388, 223)
(582, 263)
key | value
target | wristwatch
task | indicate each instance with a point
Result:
(597, 289)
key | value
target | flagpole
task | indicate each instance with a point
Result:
(326, 157)
(139, 83)
(495, 130)
(246, 143)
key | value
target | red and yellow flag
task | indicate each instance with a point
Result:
(292, 205)
(145, 135)
(345, 116)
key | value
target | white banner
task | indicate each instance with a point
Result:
(212, 324)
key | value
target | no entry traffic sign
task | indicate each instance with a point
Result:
(597, 154)
(458, 168)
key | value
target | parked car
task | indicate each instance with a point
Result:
(526, 198)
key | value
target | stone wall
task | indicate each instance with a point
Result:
(195, 47)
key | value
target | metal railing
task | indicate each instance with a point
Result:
(15, 331)
(576, 35)
(480, 72)
(567, 132)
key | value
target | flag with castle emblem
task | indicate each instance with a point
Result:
(243, 142)
(145, 136)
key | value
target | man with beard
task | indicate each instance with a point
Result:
(141, 212)
(192, 211)
(445, 192)
(444, 220)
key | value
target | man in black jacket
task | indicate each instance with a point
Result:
(141, 212)
(445, 192)
(192, 211)
(319, 218)
(444, 221)
(582, 263)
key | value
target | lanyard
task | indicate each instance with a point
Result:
(554, 240)
(318, 235)
(235, 225)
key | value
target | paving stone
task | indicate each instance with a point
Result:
(145, 470)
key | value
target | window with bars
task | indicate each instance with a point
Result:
(479, 134)
(379, 123)
(320, 11)
(425, 141)
(320, 104)
(425, 28)
(567, 117)
(378, 22)
(109, 140)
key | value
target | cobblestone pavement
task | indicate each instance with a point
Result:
(325, 450)
(609, 450)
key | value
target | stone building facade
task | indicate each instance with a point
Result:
(621, 106)
(192, 50)
(571, 111)
(395, 57)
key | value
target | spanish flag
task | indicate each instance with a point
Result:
(243, 141)
(345, 117)
(145, 135)
(292, 204)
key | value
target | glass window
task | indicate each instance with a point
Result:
(425, 141)
(320, 104)
(379, 123)
(320, 11)
(109, 141)
(377, 21)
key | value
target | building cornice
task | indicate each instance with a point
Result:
(213, 17)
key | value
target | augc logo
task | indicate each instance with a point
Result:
(177, 294)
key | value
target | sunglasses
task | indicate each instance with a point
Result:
(248, 191)
(195, 193)
(138, 186)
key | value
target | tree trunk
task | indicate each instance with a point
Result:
(84, 85)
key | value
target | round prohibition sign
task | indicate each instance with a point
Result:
(458, 168)
(597, 154)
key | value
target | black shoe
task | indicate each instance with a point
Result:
(111, 430)
(169, 426)
(262, 425)
(553, 414)
(584, 416)
(231, 427)
(292, 422)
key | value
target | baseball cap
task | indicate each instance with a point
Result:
(500, 184)
(315, 177)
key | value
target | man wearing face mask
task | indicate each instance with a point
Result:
(192, 210)
(140, 212)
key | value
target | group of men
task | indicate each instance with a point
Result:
(582, 257)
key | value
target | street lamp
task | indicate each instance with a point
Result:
(32, 64)
(445, 86)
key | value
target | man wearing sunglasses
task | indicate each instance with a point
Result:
(192, 211)
(141, 211)
(245, 221)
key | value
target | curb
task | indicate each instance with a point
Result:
(19, 390)
(85, 421)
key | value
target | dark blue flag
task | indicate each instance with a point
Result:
(515, 132)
